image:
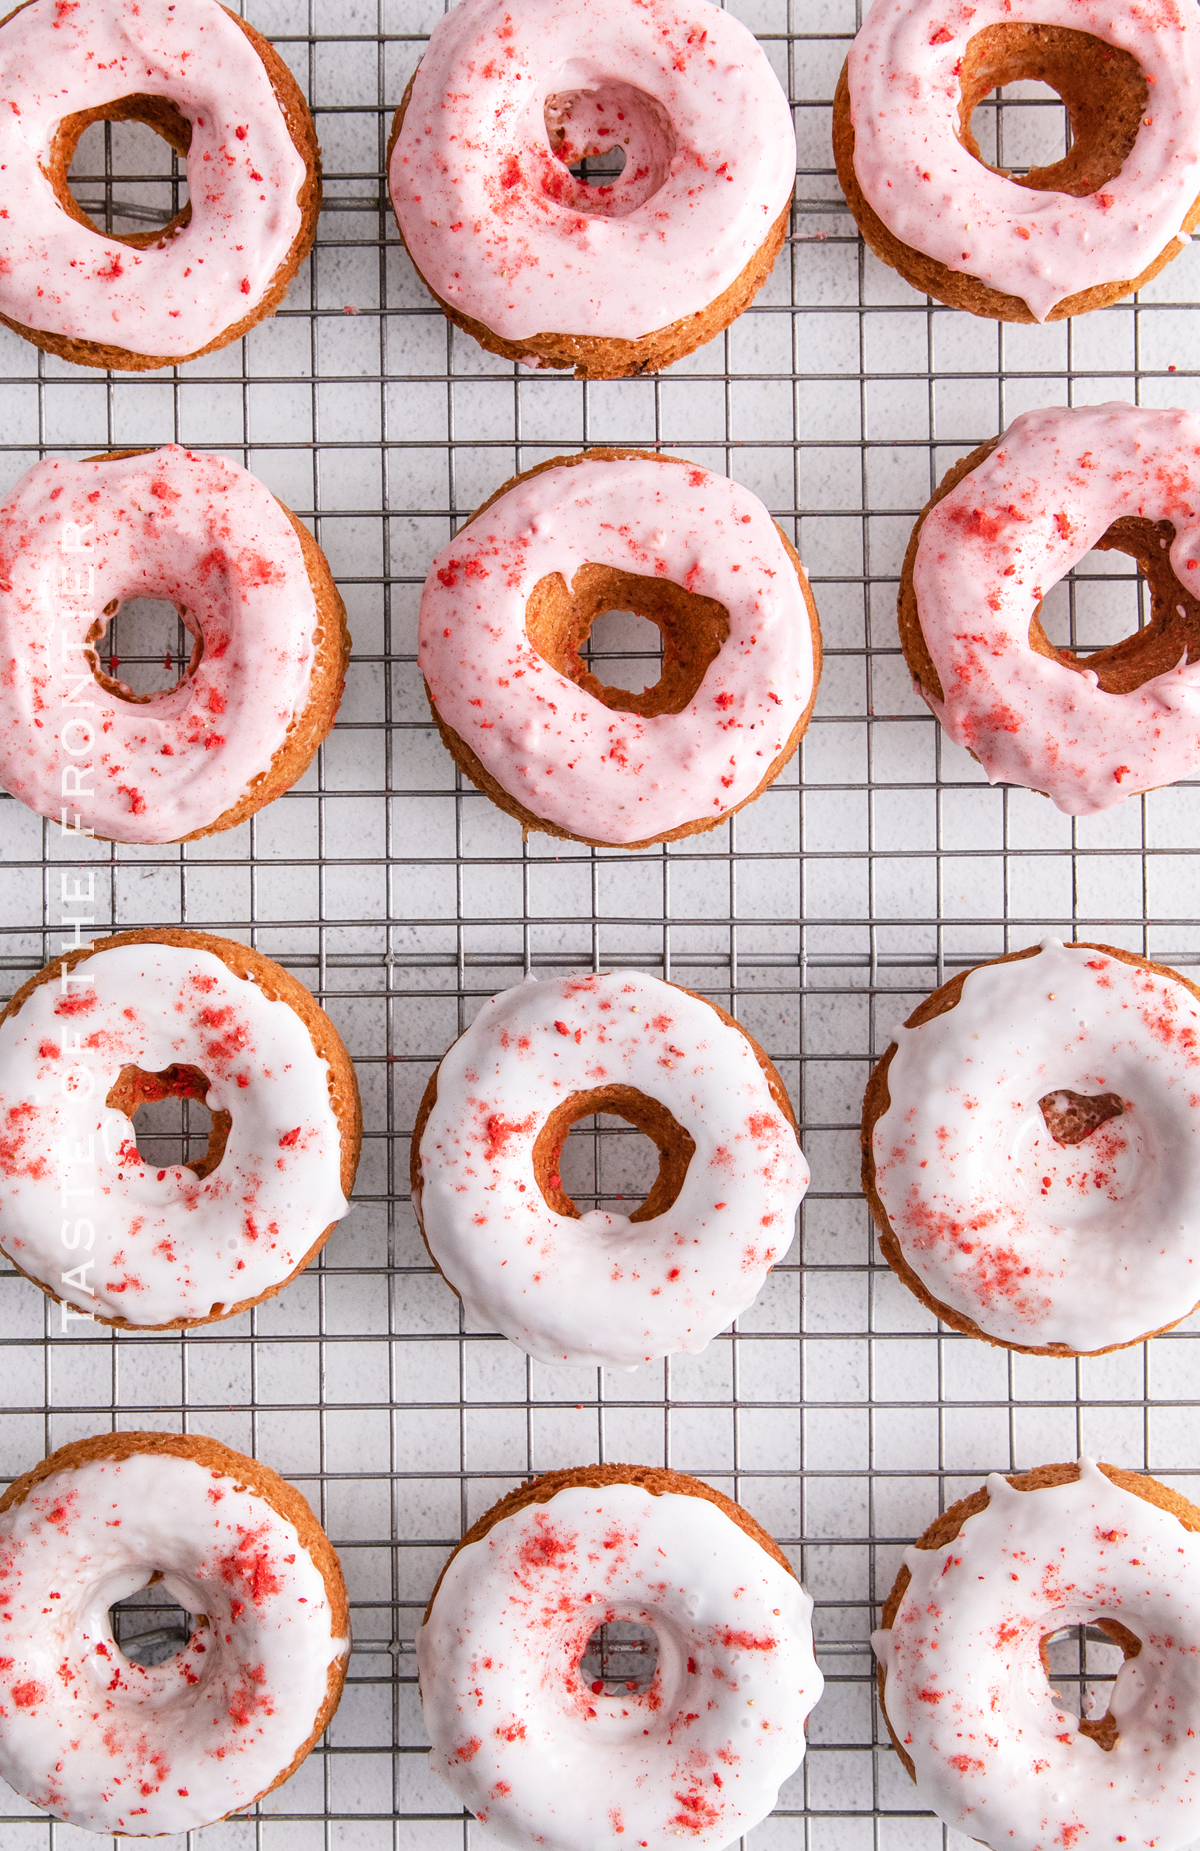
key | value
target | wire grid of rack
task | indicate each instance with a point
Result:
(881, 862)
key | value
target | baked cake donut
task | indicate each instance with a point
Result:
(964, 1675)
(537, 264)
(114, 1746)
(252, 587)
(223, 98)
(1031, 1150)
(510, 602)
(1073, 236)
(1005, 525)
(603, 1287)
(152, 1015)
(544, 1754)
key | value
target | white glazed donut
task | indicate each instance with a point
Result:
(1001, 1226)
(256, 593)
(253, 182)
(987, 553)
(1041, 247)
(503, 233)
(114, 1746)
(83, 1214)
(966, 1693)
(587, 769)
(544, 1759)
(603, 1287)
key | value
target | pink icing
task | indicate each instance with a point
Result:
(164, 524)
(992, 548)
(244, 174)
(497, 225)
(615, 776)
(936, 198)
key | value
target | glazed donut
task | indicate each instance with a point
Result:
(544, 268)
(212, 87)
(146, 1016)
(542, 1757)
(509, 603)
(602, 1287)
(253, 588)
(1067, 238)
(1005, 525)
(1031, 1150)
(114, 1746)
(964, 1673)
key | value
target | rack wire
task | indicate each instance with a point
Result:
(836, 1409)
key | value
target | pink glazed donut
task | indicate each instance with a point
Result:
(1006, 524)
(251, 585)
(213, 88)
(510, 602)
(536, 263)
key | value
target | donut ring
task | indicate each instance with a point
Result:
(539, 1756)
(1071, 237)
(212, 87)
(253, 588)
(626, 277)
(603, 1288)
(1031, 1150)
(149, 1015)
(1005, 525)
(968, 1620)
(509, 603)
(111, 1745)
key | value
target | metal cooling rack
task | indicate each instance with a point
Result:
(837, 1411)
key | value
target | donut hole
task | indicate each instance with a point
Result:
(149, 1627)
(620, 1659)
(559, 622)
(622, 650)
(1081, 1665)
(1071, 1117)
(117, 169)
(588, 1151)
(1101, 89)
(172, 1124)
(616, 143)
(142, 648)
(1124, 626)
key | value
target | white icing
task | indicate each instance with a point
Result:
(935, 197)
(110, 1745)
(990, 551)
(604, 775)
(543, 1759)
(494, 220)
(244, 174)
(196, 530)
(995, 1754)
(604, 1289)
(83, 1213)
(1087, 1245)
